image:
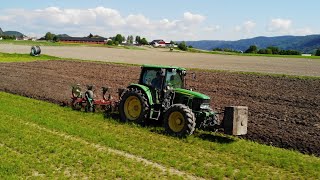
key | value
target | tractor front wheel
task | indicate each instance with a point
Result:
(133, 106)
(179, 120)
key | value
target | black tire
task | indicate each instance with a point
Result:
(179, 121)
(139, 102)
(35, 51)
(38, 50)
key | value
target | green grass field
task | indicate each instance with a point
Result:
(7, 57)
(49, 43)
(194, 50)
(42, 139)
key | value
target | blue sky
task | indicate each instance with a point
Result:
(169, 20)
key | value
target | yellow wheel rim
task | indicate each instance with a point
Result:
(176, 121)
(132, 108)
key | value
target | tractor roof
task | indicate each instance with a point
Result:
(162, 67)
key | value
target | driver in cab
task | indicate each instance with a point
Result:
(157, 81)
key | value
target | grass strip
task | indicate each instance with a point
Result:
(49, 43)
(206, 155)
(31, 152)
(14, 57)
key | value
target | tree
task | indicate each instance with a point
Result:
(118, 38)
(318, 52)
(183, 46)
(262, 51)
(217, 49)
(116, 43)
(130, 39)
(110, 43)
(252, 49)
(49, 36)
(55, 38)
(269, 51)
(275, 50)
(138, 39)
(144, 41)
(90, 35)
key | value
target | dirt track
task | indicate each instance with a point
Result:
(190, 60)
(282, 112)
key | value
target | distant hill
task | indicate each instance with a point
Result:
(305, 44)
(13, 33)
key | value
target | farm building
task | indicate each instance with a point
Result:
(158, 43)
(161, 43)
(83, 40)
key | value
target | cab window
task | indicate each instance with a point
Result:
(173, 79)
(148, 76)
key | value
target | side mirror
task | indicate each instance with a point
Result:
(163, 72)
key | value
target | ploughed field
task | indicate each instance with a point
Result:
(283, 112)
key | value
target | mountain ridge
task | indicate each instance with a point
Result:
(304, 44)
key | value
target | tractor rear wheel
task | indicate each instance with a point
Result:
(133, 106)
(179, 120)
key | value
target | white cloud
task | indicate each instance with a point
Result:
(193, 18)
(246, 27)
(285, 27)
(280, 25)
(212, 28)
(138, 21)
(103, 21)
(167, 24)
(303, 31)
(249, 25)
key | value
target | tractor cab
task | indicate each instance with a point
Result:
(162, 82)
(162, 77)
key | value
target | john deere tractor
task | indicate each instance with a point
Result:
(161, 95)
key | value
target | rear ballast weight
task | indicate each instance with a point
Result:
(160, 95)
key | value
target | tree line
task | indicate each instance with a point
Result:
(119, 39)
(116, 40)
(271, 50)
(6, 37)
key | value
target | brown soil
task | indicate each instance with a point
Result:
(283, 112)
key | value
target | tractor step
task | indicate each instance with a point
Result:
(154, 114)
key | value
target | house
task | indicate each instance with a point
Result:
(158, 43)
(85, 40)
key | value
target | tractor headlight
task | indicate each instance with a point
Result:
(204, 106)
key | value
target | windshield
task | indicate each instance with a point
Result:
(174, 79)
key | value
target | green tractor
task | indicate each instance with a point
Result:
(161, 95)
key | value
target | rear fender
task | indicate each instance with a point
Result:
(144, 89)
